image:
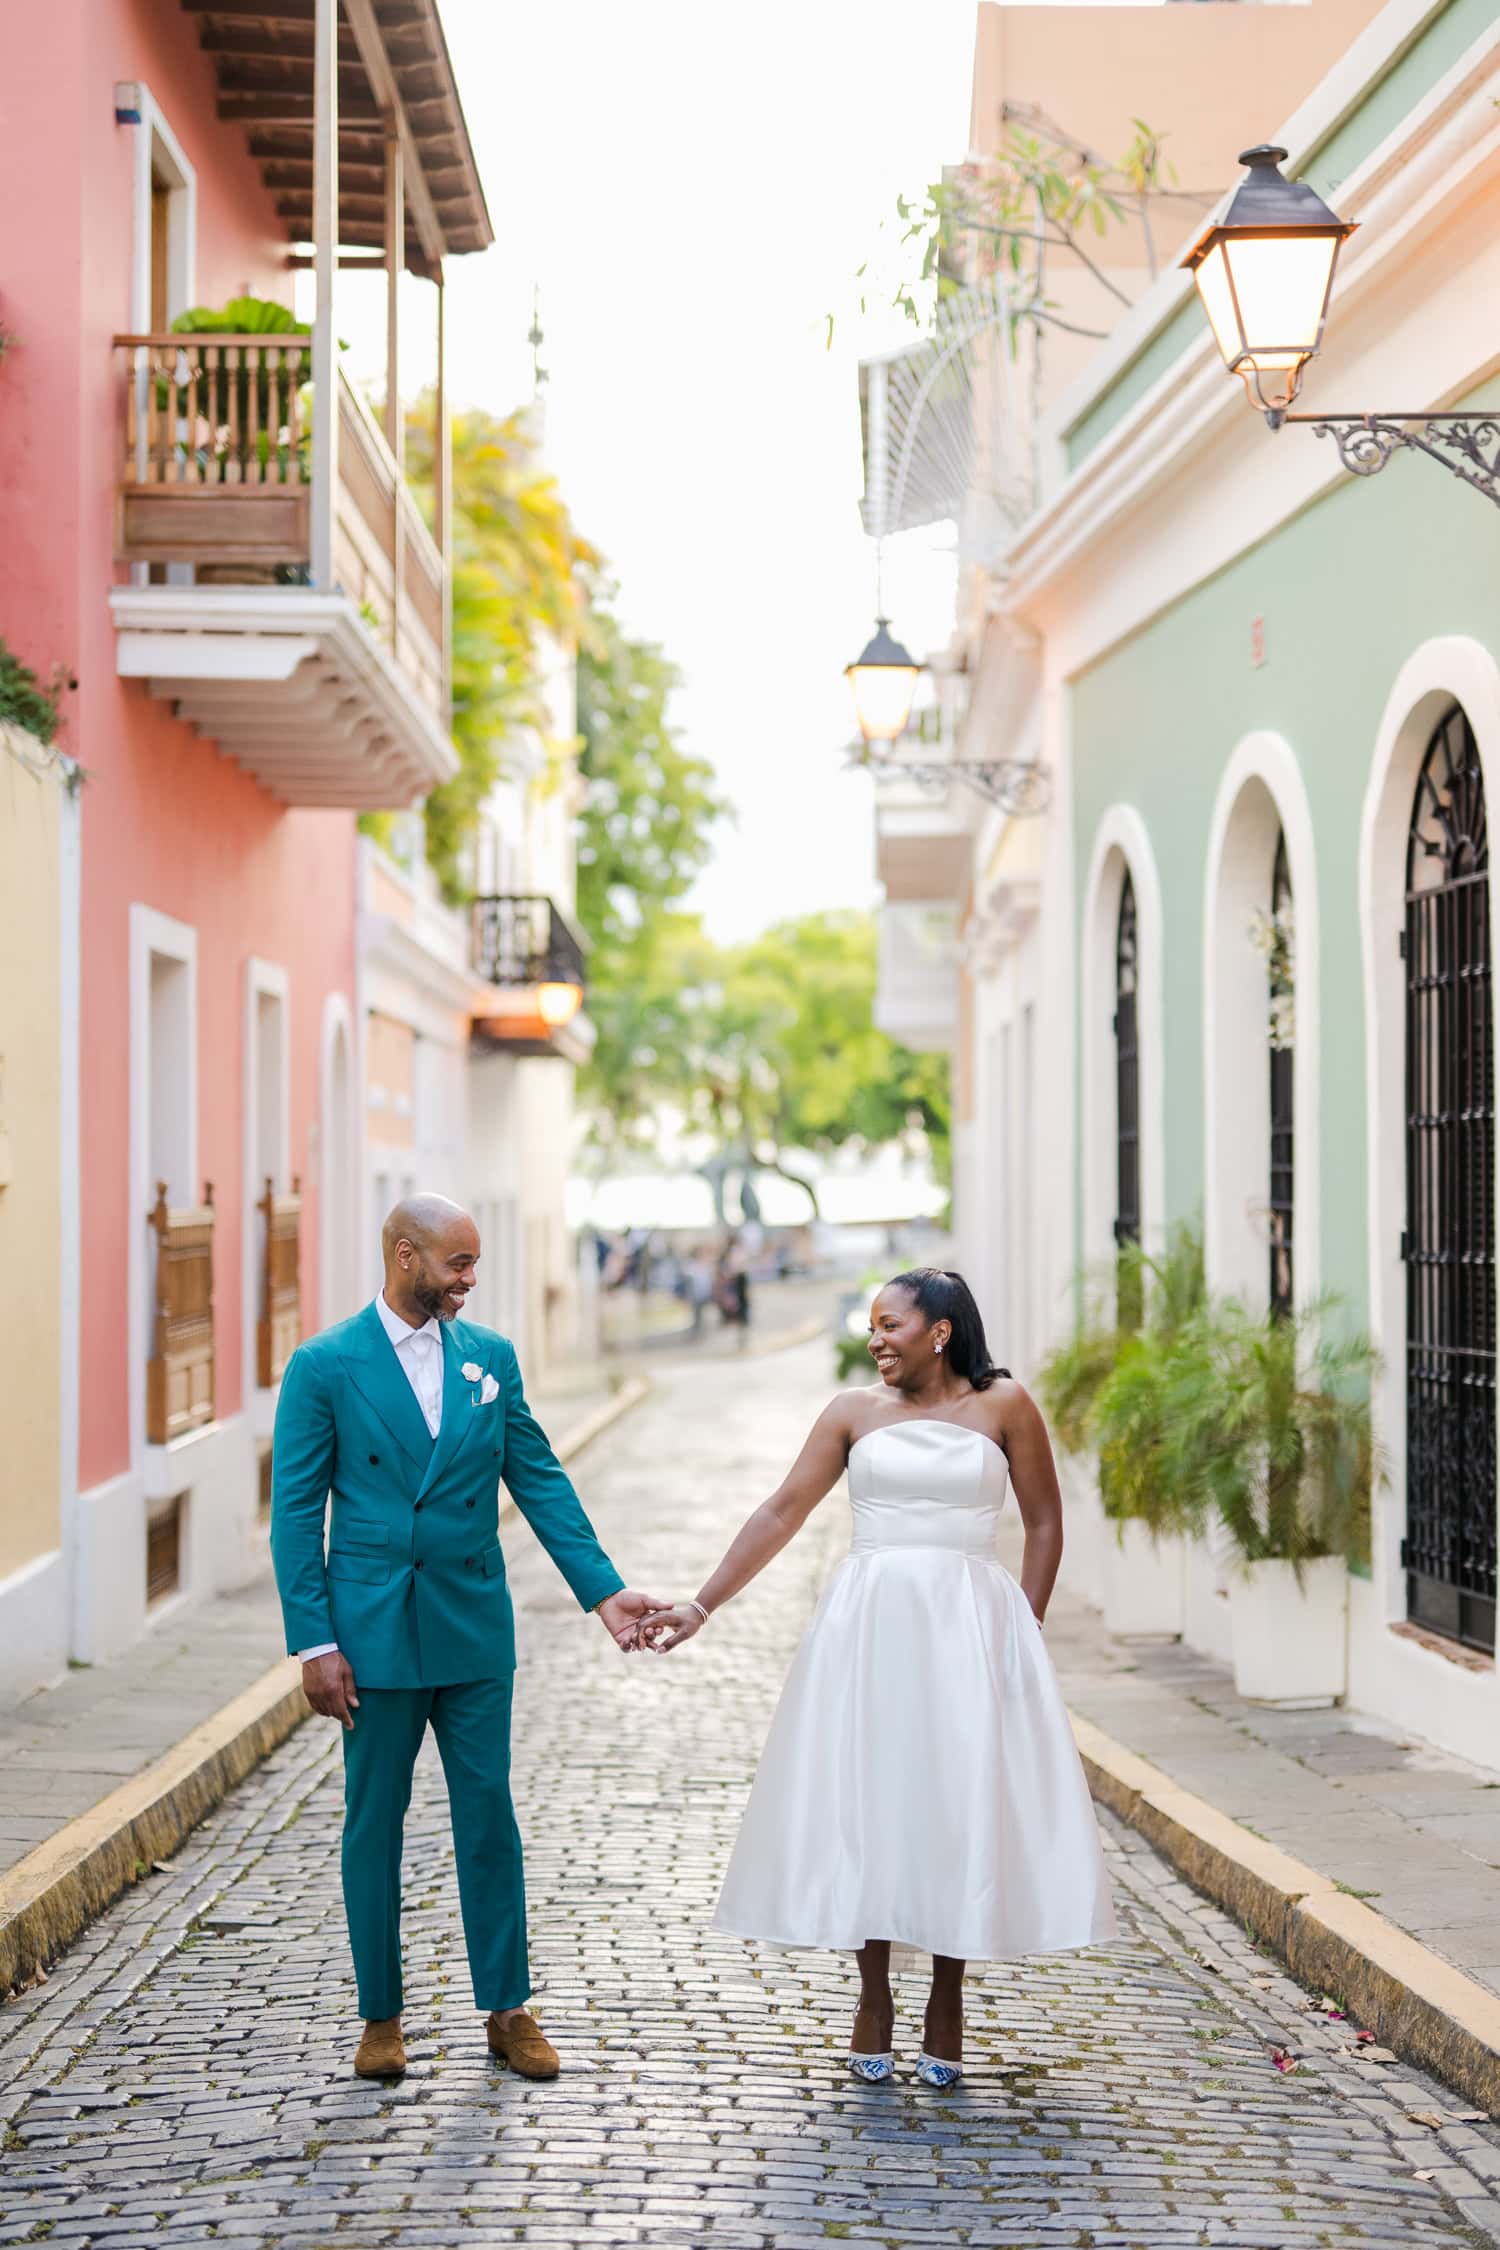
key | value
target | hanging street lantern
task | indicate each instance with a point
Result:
(557, 1004)
(1264, 272)
(884, 679)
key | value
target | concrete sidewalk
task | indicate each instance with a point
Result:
(1410, 1829)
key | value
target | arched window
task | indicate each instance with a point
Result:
(1127, 1073)
(1448, 1245)
(1281, 1000)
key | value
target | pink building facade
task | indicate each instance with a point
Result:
(250, 674)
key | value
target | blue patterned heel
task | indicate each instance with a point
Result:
(941, 2075)
(874, 2070)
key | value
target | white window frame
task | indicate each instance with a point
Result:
(152, 934)
(339, 1168)
(1234, 1065)
(1121, 842)
(263, 980)
(1452, 669)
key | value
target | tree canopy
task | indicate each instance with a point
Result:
(764, 1049)
(521, 575)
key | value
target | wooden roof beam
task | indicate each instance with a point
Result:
(369, 38)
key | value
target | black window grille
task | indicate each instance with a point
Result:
(1283, 1178)
(1448, 1245)
(1127, 1074)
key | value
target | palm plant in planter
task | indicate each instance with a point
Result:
(1270, 1434)
(1104, 1393)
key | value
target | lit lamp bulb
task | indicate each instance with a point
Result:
(1264, 273)
(884, 680)
(558, 1004)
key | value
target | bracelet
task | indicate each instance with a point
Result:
(698, 1606)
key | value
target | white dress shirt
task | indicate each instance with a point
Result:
(420, 1353)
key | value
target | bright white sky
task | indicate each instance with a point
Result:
(693, 188)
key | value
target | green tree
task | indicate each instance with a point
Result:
(649, 805)
(766, 1049)
(521, 574)
(644, 834)
(802, 1064)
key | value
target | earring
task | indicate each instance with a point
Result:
(937, 1347)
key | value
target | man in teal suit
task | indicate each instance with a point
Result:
(410, 1418)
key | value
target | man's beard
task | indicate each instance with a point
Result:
(432, 1301)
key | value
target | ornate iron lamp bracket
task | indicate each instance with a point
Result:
(1466, 445)
(1018, 788)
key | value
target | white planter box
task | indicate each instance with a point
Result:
(1143, 1581)
(1290, 1641)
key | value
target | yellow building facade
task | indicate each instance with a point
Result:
(39, 1251)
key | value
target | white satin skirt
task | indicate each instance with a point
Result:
(920, 1781)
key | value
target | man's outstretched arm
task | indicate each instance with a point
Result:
(543, 1491)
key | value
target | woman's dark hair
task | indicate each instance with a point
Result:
(947, 1296)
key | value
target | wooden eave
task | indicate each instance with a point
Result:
(263, 62)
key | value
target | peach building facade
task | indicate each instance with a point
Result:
(232, 569)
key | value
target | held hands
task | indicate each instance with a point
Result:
(623, 1614)
(328, 1684)
(667, 1629)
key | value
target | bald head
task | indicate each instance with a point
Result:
(431, 1249)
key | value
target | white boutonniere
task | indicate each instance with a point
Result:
(470, 1371)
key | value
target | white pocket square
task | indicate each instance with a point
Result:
(488, 1390)
(470, 1371)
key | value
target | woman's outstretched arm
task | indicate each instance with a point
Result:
(1033, 1477)
(762, 1536)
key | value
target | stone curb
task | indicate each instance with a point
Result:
(58, 1889)
(1418, 2004)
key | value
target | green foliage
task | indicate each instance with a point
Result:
(242, 316)
(1163, 1292)
(1204, 1411)
(649, 807)
(851, 1356)
(520, 576)
(1273, 1436)
(1042, 196)
(24, 702)
(764, 1048)
(1098, 1387)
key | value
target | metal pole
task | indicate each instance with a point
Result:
(442, 486)
(395, 259)
(325, 438)
(395, 421)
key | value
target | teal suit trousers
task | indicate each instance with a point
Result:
(472, 1726)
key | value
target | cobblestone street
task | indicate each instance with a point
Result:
(184, 2074)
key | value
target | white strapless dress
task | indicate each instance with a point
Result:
(920, 1780)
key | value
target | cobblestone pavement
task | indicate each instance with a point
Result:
(184, 2074)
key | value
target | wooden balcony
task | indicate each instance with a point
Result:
(180, 1371)
(332, 697)
(279, 1329)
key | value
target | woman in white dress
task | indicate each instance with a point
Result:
(919, 1785)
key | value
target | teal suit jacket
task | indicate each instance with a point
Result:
(412, 1587)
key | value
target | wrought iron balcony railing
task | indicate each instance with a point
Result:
(520, 940)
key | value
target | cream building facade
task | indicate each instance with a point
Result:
(1246, 675)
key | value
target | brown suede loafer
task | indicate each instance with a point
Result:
(518, 2040)
(381, 2051)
